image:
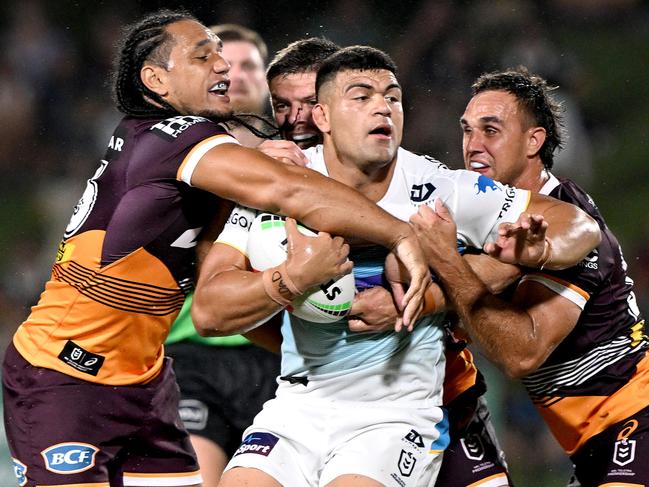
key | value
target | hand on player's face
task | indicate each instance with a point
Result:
(522, 242)
(315, 260)
(374, 310)
(436, 232)
(284, 151)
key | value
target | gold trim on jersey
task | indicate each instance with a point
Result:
(118, 293)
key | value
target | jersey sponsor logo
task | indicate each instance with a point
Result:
(421, 192)
(472, 446)
(171, 128)
(259, 443)
(485, 183)
(510, 193)
(66, 458)
(86, 203)
(406, 463)
(80, 359)
(590, 261)
(243, 219)
(415, 438)
(193, 413)
(20, 471)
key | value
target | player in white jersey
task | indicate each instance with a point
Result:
(354, 409)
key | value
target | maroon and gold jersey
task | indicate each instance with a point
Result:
(127, 257)
(598, 374)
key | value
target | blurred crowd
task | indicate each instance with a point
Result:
(57, 112)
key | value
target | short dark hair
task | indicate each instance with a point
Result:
(144, 40)
(352, 58)
(236, 32)
(303, 56)
(534, 95)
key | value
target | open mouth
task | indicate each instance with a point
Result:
(383, 130)
(305, 139)
(220, 88)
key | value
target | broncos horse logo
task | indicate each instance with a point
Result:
(484, 182)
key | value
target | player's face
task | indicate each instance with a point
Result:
(292, 98)
(248, 89)
(366, 116)
(196, 78)
(495, 136)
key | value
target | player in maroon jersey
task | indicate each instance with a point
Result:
(575, 336)
(89, 398)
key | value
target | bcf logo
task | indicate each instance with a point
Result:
(65, 458)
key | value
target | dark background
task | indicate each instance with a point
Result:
(57, 117)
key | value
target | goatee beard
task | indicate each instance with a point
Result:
(217, 116)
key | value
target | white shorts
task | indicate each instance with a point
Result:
(311, 441)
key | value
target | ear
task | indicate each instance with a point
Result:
(535, 141)
(320, 115)
(154, 77)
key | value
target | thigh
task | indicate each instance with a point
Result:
(65, 431)
(354, 480)
(247, 476)
(286, 441)
(161, 451)
(60, 429)
(211, 458)
(617, 456)
(391, 446)
(474, 456)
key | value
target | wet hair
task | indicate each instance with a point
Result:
(534, 96)
(236, 32)
(146, 40)
(303, 56)
(353, 58)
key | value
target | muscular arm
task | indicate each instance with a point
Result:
(571, 232)
(496, 275)
(256, 180)
(374, 309)
(230, 298)
(268, 335)
(253, 179)
(519, 335)
(218, 308)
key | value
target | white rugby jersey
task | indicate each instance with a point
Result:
(324, 352)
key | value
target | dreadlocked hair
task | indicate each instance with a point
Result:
(145, 40)
(534, 95)
(258, 125)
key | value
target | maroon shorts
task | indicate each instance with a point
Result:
(66, 431)
(474, 456)
(619, 455)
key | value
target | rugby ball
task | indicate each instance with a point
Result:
(267, 247)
